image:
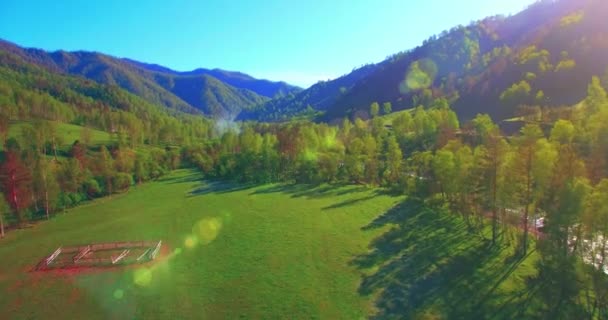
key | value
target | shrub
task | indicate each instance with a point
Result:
(122, 182)
(92, 188)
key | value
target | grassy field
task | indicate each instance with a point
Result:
(68, 132)
(273, 251)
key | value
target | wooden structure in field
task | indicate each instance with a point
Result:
(101, 255)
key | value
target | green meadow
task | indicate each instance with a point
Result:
(69, 133)
(259, 252)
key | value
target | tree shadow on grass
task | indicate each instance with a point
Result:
(311, 191)
(193, 177)
(349, 202)
(219, 187)
(428, 265)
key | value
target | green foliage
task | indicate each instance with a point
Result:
(517, 93)
(562, 132)
(122, 181)
(374, 109)
(572, 19)
(597, 99)
(531, 75)
(92, 188)
(484, 127)
(564, 65)
(387, 108)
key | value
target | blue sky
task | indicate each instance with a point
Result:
(297, 41)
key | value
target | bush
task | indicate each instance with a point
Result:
(122, 182)
(92, 188)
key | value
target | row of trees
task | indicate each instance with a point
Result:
(41, 176)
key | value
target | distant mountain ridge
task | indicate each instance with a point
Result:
(212, 92)
(542, 57)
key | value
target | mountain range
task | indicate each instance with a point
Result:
(213, 92)
(543, 56)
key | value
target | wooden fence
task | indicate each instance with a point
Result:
(85, 255)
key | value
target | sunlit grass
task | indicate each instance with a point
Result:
(273, 251)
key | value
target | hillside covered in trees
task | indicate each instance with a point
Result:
(540, 57)
(213, 92)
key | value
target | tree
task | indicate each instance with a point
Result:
(394, 159)
(387, 108)
(16, 179)
(4, 209)
(402, 125)
(122, 181)
(371, 159)
(140, 171)
(558, 273)
(444, 168)
(45, 185)
(496, 150)
(4, 123)
(374, 109)
(353, 161)
(485, 128)
(105, 168)
(562, 132)
(70, 175)
(596, 222)
(524, 171)
(79, 152)
(597, 98)
(517, 93)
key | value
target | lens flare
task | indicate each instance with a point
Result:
(420, 75)
(118, 294)
(190, 242)
(206, 230)
(227, 217)
(142, 277)
(310, 155)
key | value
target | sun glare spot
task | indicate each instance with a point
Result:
(420, 75)
(310, 155)
(190, 242)
(206, 230)
(118, 294)
(142, 277)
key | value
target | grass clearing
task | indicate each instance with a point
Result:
(68, 132)
(273, 251)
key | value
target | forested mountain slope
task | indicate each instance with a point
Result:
(541, 57)
(214, 92)
(31, 92)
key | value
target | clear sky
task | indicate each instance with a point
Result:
(298, 41)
